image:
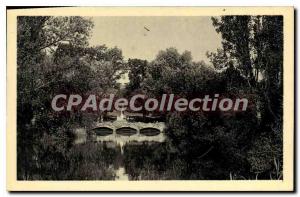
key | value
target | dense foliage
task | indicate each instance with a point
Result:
(219, 145)
(54, 58)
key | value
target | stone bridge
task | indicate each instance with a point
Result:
(123, 132)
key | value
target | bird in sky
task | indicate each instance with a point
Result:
(146, 28)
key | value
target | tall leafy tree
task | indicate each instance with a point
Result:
(36, 39)
(253, 46)
(137, 73)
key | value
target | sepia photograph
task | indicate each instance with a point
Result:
(192, 99)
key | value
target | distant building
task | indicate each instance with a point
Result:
(124, 79)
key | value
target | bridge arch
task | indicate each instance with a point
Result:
(126, 131)
(103, 131)
(150, 131)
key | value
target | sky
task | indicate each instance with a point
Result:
(193, 33)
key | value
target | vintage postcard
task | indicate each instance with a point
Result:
(150, 99)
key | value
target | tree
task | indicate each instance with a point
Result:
(161, 71)
(37, 37)
(236, 40)
(253, 49)
(137, 73)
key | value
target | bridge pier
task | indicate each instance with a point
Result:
(114, 132)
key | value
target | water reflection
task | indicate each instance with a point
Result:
(130, 161)
(121, 174)
(137, 147)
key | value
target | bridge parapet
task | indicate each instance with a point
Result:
(131, 136)
(135, 125)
